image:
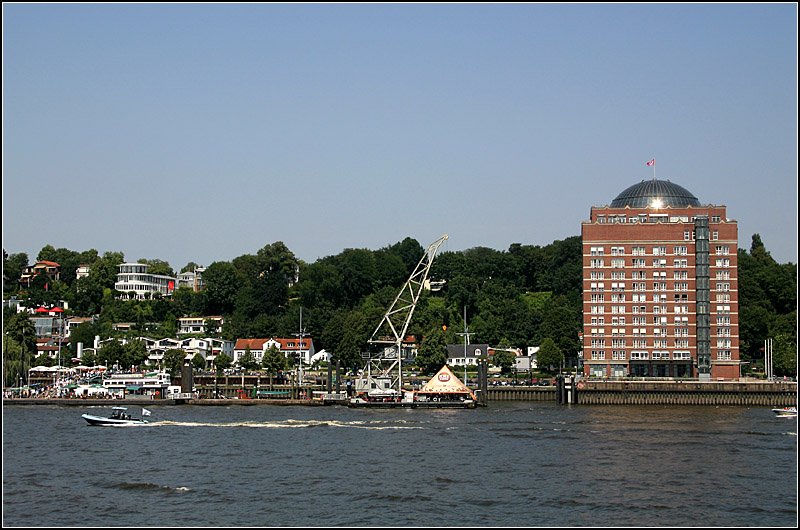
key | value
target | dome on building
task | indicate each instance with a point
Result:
(653, 192)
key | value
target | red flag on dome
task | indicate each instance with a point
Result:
(651, 162)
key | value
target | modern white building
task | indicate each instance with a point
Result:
(188, 325)
(135, 282)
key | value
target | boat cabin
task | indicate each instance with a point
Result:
(119, 413)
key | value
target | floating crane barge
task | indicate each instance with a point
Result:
(381, 382)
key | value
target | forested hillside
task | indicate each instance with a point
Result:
(517, 298)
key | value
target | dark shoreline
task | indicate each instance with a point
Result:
(72, 402)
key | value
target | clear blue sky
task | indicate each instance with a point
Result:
(201, 132)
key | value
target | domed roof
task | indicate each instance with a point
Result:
(650, 192)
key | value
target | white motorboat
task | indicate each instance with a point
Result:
(786, 412)
(119, 416)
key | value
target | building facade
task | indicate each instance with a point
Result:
(198, 324)
(192, 279)
(291, 348)
(660, 286)
(135, 282)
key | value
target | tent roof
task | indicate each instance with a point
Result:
(444, 382)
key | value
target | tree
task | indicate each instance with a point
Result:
(432, 354)
(135, 353)
(158, 266)
(505, 360)
(190, 267)
(221, 288)
(222, 362)
(13, 266)
(198, 361)
(273, 362)
(13, 367)
(173, 360)
(784, 352)
(353, 340)
(111, 353)
(550, 355)
(247, 361)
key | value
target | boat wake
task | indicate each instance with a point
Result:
(149, 486)
(290, 424)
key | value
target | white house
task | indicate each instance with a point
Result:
(188, 325)
(291, 348)
(456, 355)
(527, 362)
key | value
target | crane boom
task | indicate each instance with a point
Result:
(386, 363)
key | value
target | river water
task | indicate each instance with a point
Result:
(510, 464)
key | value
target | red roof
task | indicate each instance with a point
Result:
(258, 344)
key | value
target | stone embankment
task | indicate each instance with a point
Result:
(592, 392)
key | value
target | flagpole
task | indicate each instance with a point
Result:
(652, 162)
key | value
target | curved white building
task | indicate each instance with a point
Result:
(134, 282)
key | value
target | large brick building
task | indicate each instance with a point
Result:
(660, 287)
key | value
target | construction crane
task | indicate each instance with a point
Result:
(383, 373)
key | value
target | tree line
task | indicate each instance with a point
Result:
(527, 295)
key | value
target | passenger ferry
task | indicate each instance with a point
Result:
(152, 384)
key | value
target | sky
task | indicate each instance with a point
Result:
(203, 132)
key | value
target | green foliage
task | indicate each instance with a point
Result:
(248, 361)
(274, 361)
(222, 362)
(518, 297)
(158, 266)
(767, 307)
(505, 360)
(432, 354)
(173, 361)
(550, 356)
(198, 361)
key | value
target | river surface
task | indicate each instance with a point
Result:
(510, 464)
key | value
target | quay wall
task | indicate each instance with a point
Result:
(777, 394)
(589, 392)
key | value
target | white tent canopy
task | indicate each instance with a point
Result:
(445, 382)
